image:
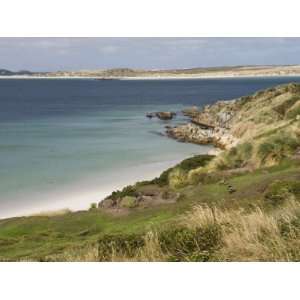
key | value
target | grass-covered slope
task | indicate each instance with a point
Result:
(98, 235)
(243, 205)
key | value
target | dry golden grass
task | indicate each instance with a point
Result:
(255, 236)
(150, 252)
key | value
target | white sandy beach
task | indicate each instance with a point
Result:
(80, 195)
(180, 77)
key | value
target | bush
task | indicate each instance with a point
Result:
(284, 107)
(236, 157)
(177, 178)
(181, 169)
(279, 191)
(195, 162)
(128, 202)
(119, 245)
(276, 193)
(184, 244)
(127, 191)
(93, 206)
(162, 180)
(294, 111)
(278, 147)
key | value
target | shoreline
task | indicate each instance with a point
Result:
(180, 77)
(79, 199)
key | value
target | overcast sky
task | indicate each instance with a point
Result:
(52, 54)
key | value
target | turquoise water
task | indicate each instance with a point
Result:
(68, 143)
(72, 161)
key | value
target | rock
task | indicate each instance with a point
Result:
(150, 115)
(190, 111)
(128, 202)
(231, 189)
(107, 203)
(165, 115)
(208, 127)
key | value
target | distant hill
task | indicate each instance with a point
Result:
(4, 72)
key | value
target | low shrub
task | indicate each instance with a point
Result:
(277, 147)
(284, 107)
(279, 191)
(294, 111)
(236, 157)
(195, 162)
(176, 176)
(162, 180)
(120, 245)
(184, 244)
(128, 202)
(93, 206)
(127, 191)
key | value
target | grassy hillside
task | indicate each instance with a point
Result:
(243, 205)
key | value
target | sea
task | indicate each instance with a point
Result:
(67, 143)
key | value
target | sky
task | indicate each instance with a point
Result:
(53, 54)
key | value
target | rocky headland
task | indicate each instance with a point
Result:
(210, 125)
(225, 124)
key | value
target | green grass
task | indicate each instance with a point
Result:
(34, 238)
(182, 168)
(278, 147)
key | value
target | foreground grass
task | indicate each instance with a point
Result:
(206, 234)
(169, 232)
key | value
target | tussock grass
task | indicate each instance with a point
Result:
(256, 236)
(208, 234)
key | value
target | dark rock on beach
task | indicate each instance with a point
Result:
(165, 115)
(162, 115)
(150, 115)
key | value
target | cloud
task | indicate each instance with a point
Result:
(93, 53)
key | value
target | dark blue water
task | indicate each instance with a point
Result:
(23, 100)
(67, 143)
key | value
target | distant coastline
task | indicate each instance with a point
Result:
(137, 74)
(149, 77)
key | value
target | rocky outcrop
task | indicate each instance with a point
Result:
(192, 133)
(227, 123)
(165, 115)
(191, 111)
(211, 125)
(141, 197)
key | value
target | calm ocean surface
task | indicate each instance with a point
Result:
(69, 142)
